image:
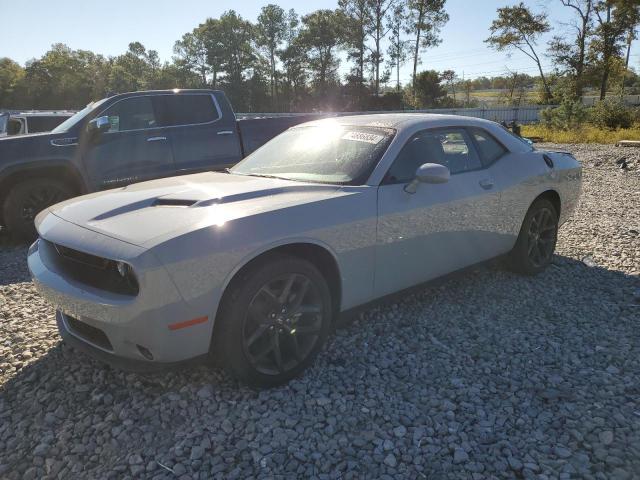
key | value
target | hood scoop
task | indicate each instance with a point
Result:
(173, 202)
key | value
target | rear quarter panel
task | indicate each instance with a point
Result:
(525, 176)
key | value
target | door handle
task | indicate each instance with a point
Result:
(486, 183)
(156, 139)
(226, 132)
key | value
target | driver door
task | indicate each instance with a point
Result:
(134, 149)
(441, 227)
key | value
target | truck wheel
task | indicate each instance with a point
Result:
(27, 199)
(273, 322)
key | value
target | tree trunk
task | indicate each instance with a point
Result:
(606, 58)
(398, 71)
(416, 52)
(603, 83)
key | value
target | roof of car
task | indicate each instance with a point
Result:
(396, 120)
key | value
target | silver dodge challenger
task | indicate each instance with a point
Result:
(253, 266)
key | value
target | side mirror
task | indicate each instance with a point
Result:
(99, 125)
(428, 173)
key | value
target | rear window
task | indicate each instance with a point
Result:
(489, 148)
(187, 109)
(44, 124)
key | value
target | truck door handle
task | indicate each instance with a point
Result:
(226, 132)
(486, 183)
(156, 139)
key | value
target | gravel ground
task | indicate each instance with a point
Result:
(489, 375)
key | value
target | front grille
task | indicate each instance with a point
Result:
(89, 333)
(90, 270)
(81, 257)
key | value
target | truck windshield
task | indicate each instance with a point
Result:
(74, 119)
(327, 153)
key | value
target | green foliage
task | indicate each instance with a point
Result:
(611, 114)
(429, 92)
(518, 28)
(569, 114)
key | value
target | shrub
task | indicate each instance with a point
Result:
(570, 114)
(611, 114)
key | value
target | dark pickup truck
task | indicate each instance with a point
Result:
(125, 139)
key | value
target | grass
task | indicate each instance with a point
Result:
(583, 134)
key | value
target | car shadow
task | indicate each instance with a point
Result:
(489, 343)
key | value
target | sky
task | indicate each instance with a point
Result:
(107, 28)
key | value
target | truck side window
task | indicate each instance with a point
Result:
(42, 123)
(133, 113)
(187, 109)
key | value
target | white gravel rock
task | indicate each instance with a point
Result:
(489, 375)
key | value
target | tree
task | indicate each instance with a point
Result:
(358, 20)
(518, 28)
(63, 78)
(429, 91)
(379, 29)
(450, 77)
(271, 29)
(191, 53)
(135, 70)
(615, 19)
(293, 61)
(11, 74)
(426, 18)
(322, 35)
(398, 47)
(570, 56)
(211, 33)
(237, 55)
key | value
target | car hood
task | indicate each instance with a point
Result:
(150, 212)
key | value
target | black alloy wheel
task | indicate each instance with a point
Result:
(542, 237)
(536, 241)
(273, 321)
(283, 324)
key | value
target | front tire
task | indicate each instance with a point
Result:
(26, 200)
(537, 239)
(273, 322)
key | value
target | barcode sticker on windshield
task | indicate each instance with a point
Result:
(363, 137)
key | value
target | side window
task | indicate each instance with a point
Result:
(131, 114)
(187, 110)
(43, 123)
(14, 127)
(449, 147)
(488, 147)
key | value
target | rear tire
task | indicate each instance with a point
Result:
(536, 242)
(273, 322)
(26, 199)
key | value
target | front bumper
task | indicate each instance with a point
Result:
(121, 363)
(137, 328)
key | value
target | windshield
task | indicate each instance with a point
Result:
(71, 121)
(328, 153)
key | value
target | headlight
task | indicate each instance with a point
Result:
(123, 269)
